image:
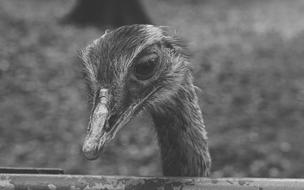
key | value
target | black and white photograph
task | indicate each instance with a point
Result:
(143, 94)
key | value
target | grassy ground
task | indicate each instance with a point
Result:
(247, 61)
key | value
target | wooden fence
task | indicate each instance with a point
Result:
(86, 182)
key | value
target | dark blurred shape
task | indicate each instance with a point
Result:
(107, 13)
(11, 170)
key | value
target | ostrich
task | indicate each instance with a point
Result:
(143, 67)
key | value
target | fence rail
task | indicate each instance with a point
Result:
(86, 182)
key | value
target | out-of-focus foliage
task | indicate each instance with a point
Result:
(247, 60)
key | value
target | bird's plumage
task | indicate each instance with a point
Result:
(145, 67)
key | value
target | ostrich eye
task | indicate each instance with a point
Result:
(145, 66)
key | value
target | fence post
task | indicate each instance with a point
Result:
(86, 182)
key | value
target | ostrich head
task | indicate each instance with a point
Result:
(130, 69)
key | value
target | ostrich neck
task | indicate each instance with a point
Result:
(182, 136)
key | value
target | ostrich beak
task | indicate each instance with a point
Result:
(103, 126)
(95, 140)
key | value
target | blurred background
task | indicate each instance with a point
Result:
(247, 58)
